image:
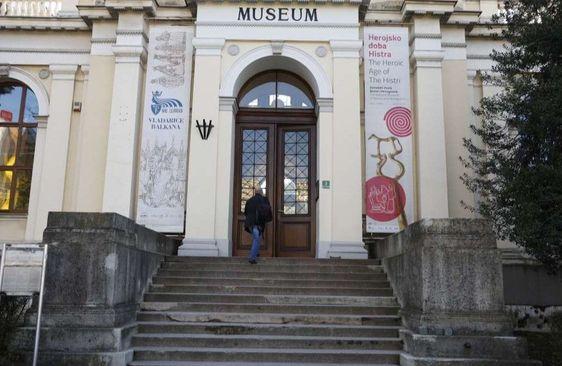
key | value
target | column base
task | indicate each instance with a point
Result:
(347, 250)
(198, 248)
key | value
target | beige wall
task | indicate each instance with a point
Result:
(340, 125)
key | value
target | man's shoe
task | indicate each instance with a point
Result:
(252, 261)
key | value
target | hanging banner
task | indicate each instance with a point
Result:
(389, 188)
(163, 156)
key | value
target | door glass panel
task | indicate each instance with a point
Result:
(5, 185)
(23, 188)
(254, 163)
(296, 173)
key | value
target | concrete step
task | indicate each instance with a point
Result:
(271, 290)
(275, 283)
(255, 300)
(275, 261)
(268, 318)
(207, 363)
(296, 330)
(290, 275)
(266, 355)
(267, 267)
(263, 341)
(251, 308)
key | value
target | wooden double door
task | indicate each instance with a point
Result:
(277, 152)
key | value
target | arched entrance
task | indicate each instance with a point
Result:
(275, 149)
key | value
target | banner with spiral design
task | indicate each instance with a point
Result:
(388, 130)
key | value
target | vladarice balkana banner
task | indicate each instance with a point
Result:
(163, 156)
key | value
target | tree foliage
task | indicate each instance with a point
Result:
(515, 158)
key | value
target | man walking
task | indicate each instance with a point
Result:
(258, 213)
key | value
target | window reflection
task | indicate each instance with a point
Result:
(276, 89)
(296, 172)
(18, 133)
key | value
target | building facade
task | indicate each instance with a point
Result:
(171, 112)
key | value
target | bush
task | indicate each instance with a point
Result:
(12, 309)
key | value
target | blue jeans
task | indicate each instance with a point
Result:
(255, 243)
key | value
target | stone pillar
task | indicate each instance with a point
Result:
(431, 164)
(55, 150)
(94, 119)
(120, 167)
(347, 227)
(325, 131)
(456, 109)
(202, 186)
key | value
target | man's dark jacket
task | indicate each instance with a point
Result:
(251, 210)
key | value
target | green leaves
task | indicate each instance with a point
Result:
(516, 159)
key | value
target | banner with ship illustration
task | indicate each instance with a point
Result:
(389, 188)
(163, 155)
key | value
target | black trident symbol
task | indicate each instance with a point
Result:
(204, 129)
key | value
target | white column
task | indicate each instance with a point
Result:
(94, 119)
(346, 185)
(36, 181)
(225, 173)
(120, 169)
(474, 97)
(427, 58)
(55, 149)
(204, 155)
(325, 131)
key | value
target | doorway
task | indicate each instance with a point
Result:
(275, 149)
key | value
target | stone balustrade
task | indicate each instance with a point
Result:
(30, 8)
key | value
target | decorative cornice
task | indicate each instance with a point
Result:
(453, 45)
(44, 50)
(208, 23)
(296, 2)
(42, 24)
(103, 40)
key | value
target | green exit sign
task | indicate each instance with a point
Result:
(325, 184)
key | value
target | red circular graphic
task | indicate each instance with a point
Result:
(399, 121)
(383, 202)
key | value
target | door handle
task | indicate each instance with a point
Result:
(280, 211)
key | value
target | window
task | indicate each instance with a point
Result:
(18, 132)
(276, 90)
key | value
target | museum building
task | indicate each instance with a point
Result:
(171, 112)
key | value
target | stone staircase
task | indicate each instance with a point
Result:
(224, 311)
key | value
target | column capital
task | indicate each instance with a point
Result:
(470, 76)
(228, 104)
(63, 72)
(324, 105)
(129, 54)
(346, 49)
(208, 46)
(427, 58)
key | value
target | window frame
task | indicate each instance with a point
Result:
(20, 124)
(248, 87)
